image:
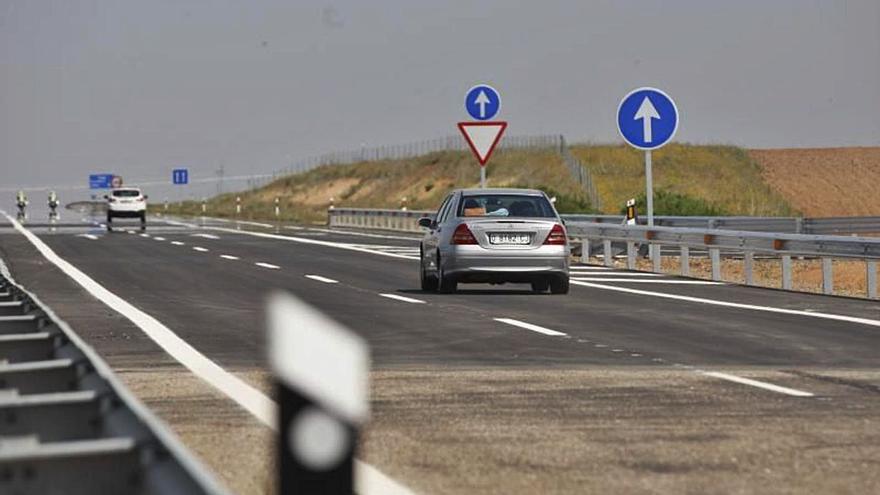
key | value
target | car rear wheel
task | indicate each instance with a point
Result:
(445, 283)
(429, 282)
(559, 285)
(540, 286)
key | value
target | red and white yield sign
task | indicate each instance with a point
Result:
(482, 137)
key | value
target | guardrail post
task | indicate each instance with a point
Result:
(748, 265)
(630, 255)
(827, 277)
(606, 252)
(655, 258)
(786, 272)
(715, 256)
(685, 261)
(585, 250)
(872, 279)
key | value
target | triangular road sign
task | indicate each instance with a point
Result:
(482, 137)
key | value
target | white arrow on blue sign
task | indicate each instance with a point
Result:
(647, 118)
(482, 102)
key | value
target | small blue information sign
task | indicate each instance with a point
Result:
(100, 181)
(180, 176)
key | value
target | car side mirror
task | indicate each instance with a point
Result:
(146, 197)
(426, 222)
(105, 197)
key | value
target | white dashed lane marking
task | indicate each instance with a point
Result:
(90, 236)
(177, 243)
(322, 279)
(402, 298)
(229, 257)
(268, 265)
(159, 238)
(200, 249)
(529, 326)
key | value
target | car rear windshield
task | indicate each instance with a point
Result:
(505, 205)
(126, 193)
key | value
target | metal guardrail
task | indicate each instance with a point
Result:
(794, 225)
(68, 425)
(730, 242)
(714, 241)
(351, 217)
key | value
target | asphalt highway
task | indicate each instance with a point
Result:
(632, 383)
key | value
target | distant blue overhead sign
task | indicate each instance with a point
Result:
(482, 102)
(180, 176)
(100, 181)
(647, 118)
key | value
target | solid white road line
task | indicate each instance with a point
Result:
(200, 249)
(159, 238)
(529, 326)
(402, 298)
(268, 265)
(715, 302)
(301, 240)
(756, 383)
(647, 281)
(322, 279)
(177, 243)
(229, 257)
(362, 234)
(368, 480)
(614, 274)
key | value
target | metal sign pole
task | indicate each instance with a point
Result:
(483, 177)
(649, 178)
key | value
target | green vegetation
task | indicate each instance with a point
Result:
(723, 177)
(675, 204)
(689, 180)
(424, 181)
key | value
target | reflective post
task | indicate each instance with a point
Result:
(827, 276)
(748, 265)
(685, 261)
(872, 279)
(786, 272)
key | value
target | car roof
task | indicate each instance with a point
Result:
(127, 189)
(478, 192)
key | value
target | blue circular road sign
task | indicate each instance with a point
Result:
(647, 118)
(482, 102)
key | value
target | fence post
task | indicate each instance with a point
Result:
(606, 252)
(685, 261)
(872, 279)
(585, 250)
(715, 255)
(827, 277)
(786, 272)
(748, 265)
(630, 255)
(656, 257)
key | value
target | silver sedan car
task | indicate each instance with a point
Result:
(495, 236)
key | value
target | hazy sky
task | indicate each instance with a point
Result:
(138, 87)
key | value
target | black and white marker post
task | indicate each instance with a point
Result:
(321, 385)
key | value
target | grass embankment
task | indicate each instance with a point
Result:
(724, 178)
(423, 181)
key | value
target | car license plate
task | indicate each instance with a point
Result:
(510, 239)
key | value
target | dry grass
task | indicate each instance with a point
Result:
(724, 176)
(825, 182)
(850, 277)
(423, 181)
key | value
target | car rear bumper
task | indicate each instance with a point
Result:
(475, 264)
(126, 213)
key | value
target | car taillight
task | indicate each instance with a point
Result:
(140, 200)
(112, 200)
(463, 235)
(556, 235)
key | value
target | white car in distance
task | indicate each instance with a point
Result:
(126, 202)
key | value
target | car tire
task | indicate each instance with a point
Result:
(559, 285)
(144, 221)
(540, 286)
(430, 283)
(445, 283)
